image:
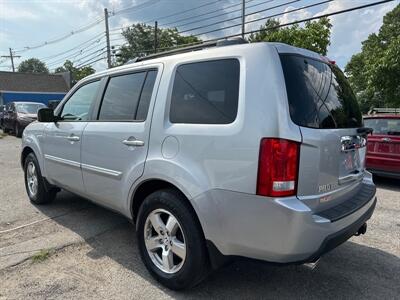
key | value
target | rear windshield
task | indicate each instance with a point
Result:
(383, 126)
(319, 94)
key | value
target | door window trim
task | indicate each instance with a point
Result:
(107, 78)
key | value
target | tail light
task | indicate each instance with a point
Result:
(278, 167)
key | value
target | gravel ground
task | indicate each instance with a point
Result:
(75, 249)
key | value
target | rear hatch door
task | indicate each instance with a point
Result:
(332, 153)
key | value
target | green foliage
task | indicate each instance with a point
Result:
(76, 73)
(375, 72)
(41, 256)
(33, 65)
(140, 39)
(315, 35)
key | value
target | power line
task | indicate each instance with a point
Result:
(204, 14)
(75, 57)
(265, 18)
(239, 17)
(182, 11)
(136, 7)
(95, 39)
(306, 19)
(62, 38)
(277, 26)
(88, 60)
(92, 62)
(204, 19)
(86, 49)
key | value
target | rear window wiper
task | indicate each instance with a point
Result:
(365, 130)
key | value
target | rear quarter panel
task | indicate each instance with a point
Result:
(223, 156)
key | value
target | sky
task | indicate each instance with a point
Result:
(56, 30)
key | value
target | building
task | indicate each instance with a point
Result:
(32, 87)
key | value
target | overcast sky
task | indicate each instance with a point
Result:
(32, 23)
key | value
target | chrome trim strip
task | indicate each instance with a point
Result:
(102, 171)
(89, 168)
(62, 161)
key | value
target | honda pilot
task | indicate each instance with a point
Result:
(214, 151)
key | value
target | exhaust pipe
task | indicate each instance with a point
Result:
(311, 265)
(361, 230)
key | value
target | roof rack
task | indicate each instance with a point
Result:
(218, 43)
(384, 110)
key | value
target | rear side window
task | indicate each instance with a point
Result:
(206, 92)
(319, 94)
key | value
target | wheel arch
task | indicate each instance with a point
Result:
(150, 185)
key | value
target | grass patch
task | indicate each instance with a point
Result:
(41, 256)
(2, 134)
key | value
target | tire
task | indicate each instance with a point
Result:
(194, 267)
(17, 130)
(42, 194)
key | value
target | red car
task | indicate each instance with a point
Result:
(383, 148)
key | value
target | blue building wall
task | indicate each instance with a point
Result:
(30, 97)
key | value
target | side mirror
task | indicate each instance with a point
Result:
(46, 115)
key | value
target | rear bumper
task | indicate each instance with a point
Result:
(274, 230)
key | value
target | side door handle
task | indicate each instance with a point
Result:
(73, 138)
(131, 141)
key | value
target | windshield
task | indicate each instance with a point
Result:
(384, 126)
(28, 108)
(319, 94)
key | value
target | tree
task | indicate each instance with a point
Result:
(374, 73)
(315, 35)
(33, 65)
(140, 39)
(76, 73)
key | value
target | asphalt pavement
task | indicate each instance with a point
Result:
(75, 249)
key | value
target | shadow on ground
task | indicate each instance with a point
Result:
(350, 271)
(387, 183)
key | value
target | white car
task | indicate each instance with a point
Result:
(214, 151)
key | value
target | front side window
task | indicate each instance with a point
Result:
(77, 108)
(206, 92)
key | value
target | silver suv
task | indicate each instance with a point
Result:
(216, 151)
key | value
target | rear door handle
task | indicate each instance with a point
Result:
(73, 138)
(133, 142)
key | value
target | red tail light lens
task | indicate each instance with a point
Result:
(278, 167)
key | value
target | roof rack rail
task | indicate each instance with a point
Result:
(218, 43)
(384, 110)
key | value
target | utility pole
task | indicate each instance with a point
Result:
(155, 36)
(11, 56)
(107, 38)
(243, 17)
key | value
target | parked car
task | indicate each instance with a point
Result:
(2, 109)
(383, 151)
(18, 115)
(215, 151)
